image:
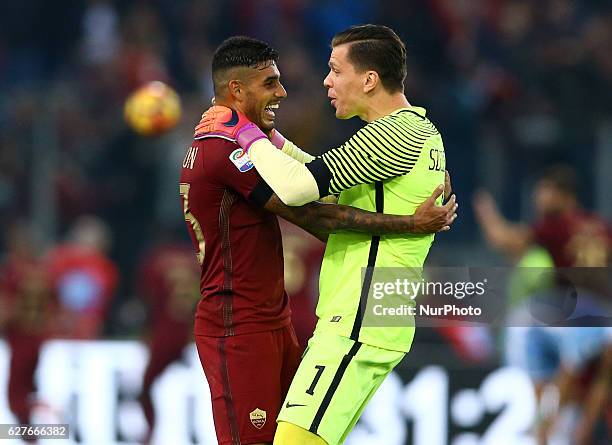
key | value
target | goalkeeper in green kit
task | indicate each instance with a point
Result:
(391, 165)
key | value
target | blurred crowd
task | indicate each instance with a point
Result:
(559, 324)
(90, 212)
(513, 85)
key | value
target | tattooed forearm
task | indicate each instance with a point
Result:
(318, 218)
(330, 218)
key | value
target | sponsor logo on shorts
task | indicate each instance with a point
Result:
(258, 418)
(241, 160)
(335, 318)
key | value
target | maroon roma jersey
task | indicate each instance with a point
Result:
(559, 234)
(238, 243)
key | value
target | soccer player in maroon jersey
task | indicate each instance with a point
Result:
(243, 331)
(168, 282)
(560, 223)
(85, 279)
(303, 255)
(26, 308)
(575, 238)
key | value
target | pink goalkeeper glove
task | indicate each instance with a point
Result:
(277, 139)
(225, 122)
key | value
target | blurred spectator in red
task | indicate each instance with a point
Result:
(568, 366)
(26, 307)
(85, 279)
(168, 281)
(560, 227)
(143, 46)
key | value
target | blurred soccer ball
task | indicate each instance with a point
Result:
(152, 109)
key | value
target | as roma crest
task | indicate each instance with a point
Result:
(258, 418)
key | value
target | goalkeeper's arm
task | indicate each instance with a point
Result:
(296, 152)
(286, 172)
(338, 169)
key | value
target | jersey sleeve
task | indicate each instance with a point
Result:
(289, 178)
(381, 150)
(296, 152)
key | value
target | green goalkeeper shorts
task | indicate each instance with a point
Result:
(335, 380)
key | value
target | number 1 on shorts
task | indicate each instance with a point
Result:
(320, 369)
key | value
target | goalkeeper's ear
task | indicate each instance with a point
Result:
(372, 79)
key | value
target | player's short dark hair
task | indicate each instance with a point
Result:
(377, 48)
(562, 177)
(240, 51)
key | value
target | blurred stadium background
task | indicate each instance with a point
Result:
(90, 211)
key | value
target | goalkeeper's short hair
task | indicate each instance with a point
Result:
(377, 48)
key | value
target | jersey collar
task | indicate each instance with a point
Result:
(418, 110)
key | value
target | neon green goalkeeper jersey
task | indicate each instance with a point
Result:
(404, 141)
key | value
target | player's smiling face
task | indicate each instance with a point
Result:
(263, 92)
(344, 83)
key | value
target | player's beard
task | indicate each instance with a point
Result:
(255, 113)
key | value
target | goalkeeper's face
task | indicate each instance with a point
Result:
(263, 93)
(345, 85)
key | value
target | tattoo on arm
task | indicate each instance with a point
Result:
(330, 218)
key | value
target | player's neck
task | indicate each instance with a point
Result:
(383, 105)
(228, 103)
